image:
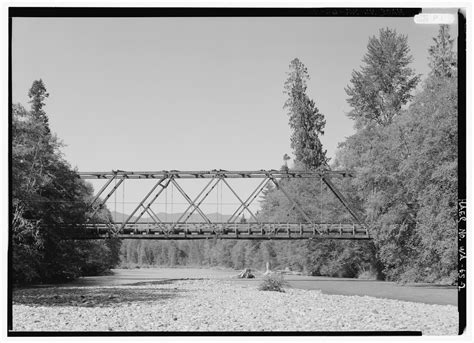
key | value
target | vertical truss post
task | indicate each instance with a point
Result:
(201, 201)
(141, 203)
(188, 199)
(264, 183)
(292, 201)
(245, 206)
(148, 207)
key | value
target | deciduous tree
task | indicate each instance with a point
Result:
(385, 82)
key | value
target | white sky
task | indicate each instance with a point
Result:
(191, 93)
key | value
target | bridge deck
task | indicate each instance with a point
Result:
(146, 230)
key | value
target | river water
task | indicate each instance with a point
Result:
(424, 293)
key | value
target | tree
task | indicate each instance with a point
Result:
(407, 176)
(238, 255)
(378, 92)
(433, 162)
(38, 95)
(305, 120)
(32, 155)
(442, 59)
(46, 192)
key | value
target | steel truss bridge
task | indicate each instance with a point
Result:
(134, 228)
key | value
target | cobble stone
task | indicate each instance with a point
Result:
(217, 305)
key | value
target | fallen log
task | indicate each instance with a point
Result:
(246, 274)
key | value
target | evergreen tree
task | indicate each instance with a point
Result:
(46, 193)
(384, 83)
(305, 120)
(442, 59)
(38, 95)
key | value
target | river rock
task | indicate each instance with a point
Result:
(218, 305)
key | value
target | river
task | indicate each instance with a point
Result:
(424, 293)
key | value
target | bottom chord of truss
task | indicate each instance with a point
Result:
(215, 230)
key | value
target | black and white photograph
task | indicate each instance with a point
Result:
(236, 171)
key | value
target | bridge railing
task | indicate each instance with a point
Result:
(229, 230)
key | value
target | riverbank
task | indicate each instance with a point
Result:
(218, 305)
(425, 293)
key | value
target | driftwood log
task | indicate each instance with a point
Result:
(267, 271)
(246, 274)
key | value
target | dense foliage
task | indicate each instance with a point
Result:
(273, 283)
(45, 193)
(443, 60)
(384, 84)
(407, 177)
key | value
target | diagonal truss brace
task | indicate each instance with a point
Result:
(295, 205)
(201, 201)
(159, 183)
(155, 218)
(147, 208)
(104, 187)
(98, 207)
(188, 199)
(342, 199)
(95, 208)
(244, 205)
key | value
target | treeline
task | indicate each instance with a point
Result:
(404, 155)
(240, 254)
(46, 192)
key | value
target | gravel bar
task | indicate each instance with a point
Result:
(218, 305)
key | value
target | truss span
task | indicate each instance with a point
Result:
(134, 226)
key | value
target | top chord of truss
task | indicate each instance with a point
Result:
(279, 174)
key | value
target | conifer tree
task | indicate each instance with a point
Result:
(305, 120)
(442, 59)
(38, 94)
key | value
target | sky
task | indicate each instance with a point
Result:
(191, 93)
